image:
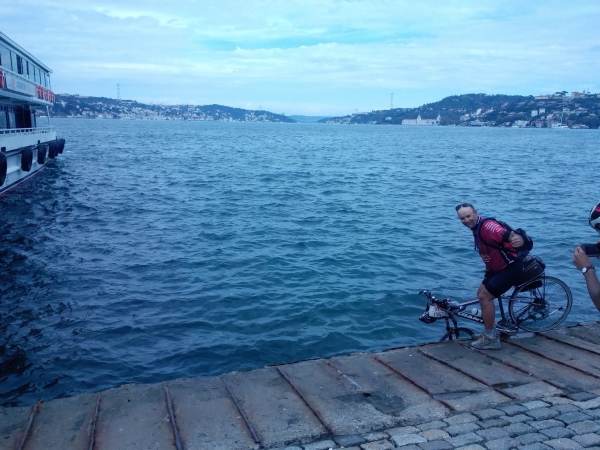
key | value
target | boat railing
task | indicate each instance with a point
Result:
(40, 130)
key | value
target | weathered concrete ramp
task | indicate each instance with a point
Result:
(306, 401)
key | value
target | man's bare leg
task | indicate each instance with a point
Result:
(489, 339)
(488, 309)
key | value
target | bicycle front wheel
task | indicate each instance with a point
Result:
(542, 307)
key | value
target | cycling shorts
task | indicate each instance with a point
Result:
(497, 283)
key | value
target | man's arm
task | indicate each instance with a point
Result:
(580, 259)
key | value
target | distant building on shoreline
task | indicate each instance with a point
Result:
(422, 122)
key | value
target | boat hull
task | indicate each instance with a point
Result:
(26, 153)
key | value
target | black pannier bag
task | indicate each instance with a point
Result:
(533, 269)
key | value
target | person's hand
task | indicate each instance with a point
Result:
(516, 240)
(580, 259)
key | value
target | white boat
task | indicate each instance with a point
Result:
(27, 141)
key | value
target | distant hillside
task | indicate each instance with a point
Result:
(578, 110)
(309, 119)
(109, 108)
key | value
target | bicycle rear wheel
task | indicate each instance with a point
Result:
(542, 307)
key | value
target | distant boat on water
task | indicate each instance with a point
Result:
(27, 141)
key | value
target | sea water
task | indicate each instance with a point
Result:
(152, 250)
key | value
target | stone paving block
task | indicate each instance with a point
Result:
(491, 423)
(558, 400)
(543, 424)
(62, 423)
(532, 391)
(572, 417)
(590, 404)
(586, 426)
(13, 422)
(350, 440)
(471, 447)
(501, 444)
(535, 404)
(563, 444)
(206, 415)
(339, 403)
(291, 447)
(134, 417)
(437, 445)
(489, 413)
(557, 432)
(402, 430)
(517, 418)
(565, 408)
(436, 424)
(535, 446)
(593, 412)
(460, 402)
(461, 392)
(375, 436)
(378, 445)
(493, 433)
(465, 439)
(462, 428)
(405, 439)
(325, 444)
(530, 438)
(460, 418)
(581, 396)
(275, 411)
(513, 409)
(542, 413)
(588, 439)
(563, 353)
(387, 392)
(434, 435)
(515, 429)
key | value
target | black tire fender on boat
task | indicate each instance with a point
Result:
(61, 145)
(42, 150)
(26, 159)
(3, 168)
(52, 149)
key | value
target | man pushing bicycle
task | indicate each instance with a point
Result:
(502, 250)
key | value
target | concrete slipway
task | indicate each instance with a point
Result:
(314, 400)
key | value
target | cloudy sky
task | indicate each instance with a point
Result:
(309, 57)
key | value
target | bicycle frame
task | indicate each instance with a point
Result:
(450, 311)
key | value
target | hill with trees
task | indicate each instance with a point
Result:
(67, 105)
(577, 110)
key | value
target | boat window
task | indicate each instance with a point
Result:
(3, 117)
(19, 64)
(11, 119)
(27, 67)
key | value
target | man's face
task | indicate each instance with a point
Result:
(468, 216)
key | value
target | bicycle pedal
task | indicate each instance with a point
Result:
(507, 328)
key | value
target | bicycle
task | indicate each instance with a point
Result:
(538, 304)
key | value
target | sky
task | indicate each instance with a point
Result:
(325, 57)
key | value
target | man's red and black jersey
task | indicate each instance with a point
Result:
(491, 240)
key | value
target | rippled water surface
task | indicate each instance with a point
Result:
(155, 250)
